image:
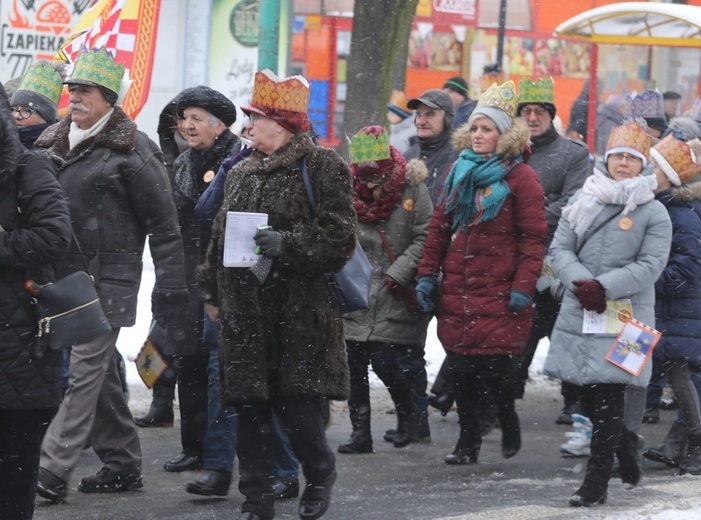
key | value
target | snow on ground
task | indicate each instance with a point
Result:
(131, 340)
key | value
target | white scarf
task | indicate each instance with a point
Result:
(600, 190)
(76, 135)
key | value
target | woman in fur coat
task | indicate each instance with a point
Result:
(394, 208)
(484, 252)
(281, 345)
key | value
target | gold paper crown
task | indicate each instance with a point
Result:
(678, 156)
(630, 135)
(542, 91)
(44, 80)
(365, 147)
(98, 66)
(501, 96)
(289, 94)
(400, 101)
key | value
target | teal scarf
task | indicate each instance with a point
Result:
(475, 189)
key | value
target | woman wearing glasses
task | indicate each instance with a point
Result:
(611, 243)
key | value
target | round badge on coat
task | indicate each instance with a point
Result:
(625, 223)
(408, 204)
(208, 176)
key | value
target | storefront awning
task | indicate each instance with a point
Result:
(637, 23)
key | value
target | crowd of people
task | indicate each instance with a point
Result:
(479, 213)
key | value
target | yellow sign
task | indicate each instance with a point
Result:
(423, 8)
(312, 22)
(150, 364)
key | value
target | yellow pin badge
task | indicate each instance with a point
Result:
(626, 223)
(208, 176)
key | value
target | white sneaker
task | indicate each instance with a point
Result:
(579, 441)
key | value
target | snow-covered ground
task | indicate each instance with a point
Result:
(131, 340)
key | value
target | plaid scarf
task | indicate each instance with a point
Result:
(475, 189)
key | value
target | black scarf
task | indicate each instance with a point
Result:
(544, 140)
(29, 134)
(191, 166)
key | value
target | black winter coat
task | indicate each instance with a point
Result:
(118, 194)
(438, 155)
(284, 338)
(678, 289)
(35, 232)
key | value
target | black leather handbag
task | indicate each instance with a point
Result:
(68, 311)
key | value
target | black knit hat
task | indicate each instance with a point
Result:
(210, 100)
(457, 84)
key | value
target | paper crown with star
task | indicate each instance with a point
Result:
(676, 159)
(369, 146)
(695, 112)
(646, 104)
(270, 91)
(540, 91)
(45, 80)
(501, 96)
(630, 135)
(97, 66)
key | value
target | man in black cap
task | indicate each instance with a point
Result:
(118, 194)
(670, 100)
(457, 89)
(433, 118)
(207, 115)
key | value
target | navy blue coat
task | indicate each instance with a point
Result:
(678, 290)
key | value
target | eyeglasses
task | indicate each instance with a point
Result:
(525, 112)
(24, 112)
(629, 157)
(428, 114)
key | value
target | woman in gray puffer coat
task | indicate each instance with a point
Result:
(394, 209)
(611, 244)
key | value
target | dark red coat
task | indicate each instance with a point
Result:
(480, 267)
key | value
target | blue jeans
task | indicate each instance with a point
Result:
(220, 440)
(696, 381)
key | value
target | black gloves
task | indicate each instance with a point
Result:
(270, 242)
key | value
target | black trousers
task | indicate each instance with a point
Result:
(604, 405)
(20, 446)
(469, 374)
(192, 394)
(383, 357)
(303, 423)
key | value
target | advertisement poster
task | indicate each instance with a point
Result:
(562, 58)
(233, 50)
(35, 29)
(434, 51)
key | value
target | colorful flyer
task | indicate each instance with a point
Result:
(633, 346)
(150, 364)
(617, 314)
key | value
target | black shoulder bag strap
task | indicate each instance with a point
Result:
(597, 228)
(308, 183)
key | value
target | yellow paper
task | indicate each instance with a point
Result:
(618, 313)
(150, 364)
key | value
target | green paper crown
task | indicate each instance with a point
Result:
(44, 80)
(365, 147)
(542, 91)
(98, 66)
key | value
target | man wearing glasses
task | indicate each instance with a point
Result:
(562, 165)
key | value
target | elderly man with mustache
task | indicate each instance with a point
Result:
(118, 194)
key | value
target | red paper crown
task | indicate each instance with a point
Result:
(630, 135)
(676, 159)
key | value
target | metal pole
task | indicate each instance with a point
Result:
(500, 36)
(269, 35)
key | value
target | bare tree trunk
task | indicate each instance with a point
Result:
(380, 30)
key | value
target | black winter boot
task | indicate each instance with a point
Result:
(589, 494)
(468, 447)
(442, 396)
(673, 450)
(627, 452)
(692, 463)
(510, 434)
(161, 411)
(361, 439)
(408, 417)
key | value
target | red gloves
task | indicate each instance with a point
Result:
(591, 294)
(394, 288)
